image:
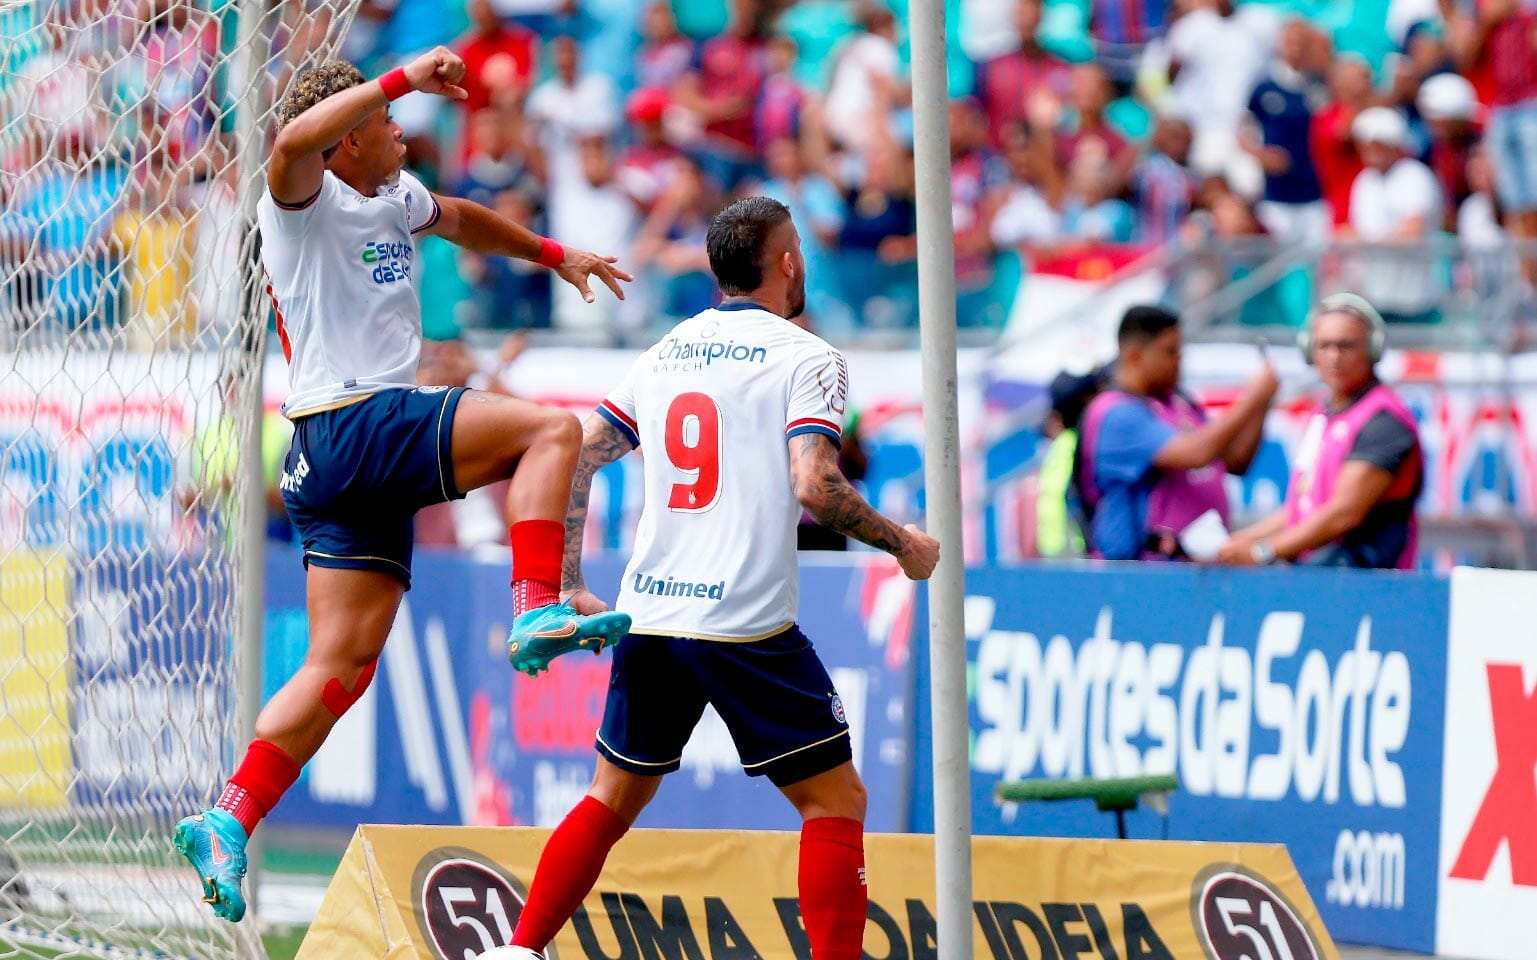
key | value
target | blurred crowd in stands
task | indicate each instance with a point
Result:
(1082, 132)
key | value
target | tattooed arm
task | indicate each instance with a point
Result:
(602, 444)
(822, 489)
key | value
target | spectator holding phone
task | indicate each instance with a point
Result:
(1359, 468)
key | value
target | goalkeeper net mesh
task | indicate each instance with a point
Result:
(132, 323)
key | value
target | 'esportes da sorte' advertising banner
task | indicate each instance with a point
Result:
(1300, 707)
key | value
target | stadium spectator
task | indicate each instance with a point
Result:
(1478, 217)
(1006, 83)
(167, 74)
(1350, 502)
(670, 244)
(665, 54)
(1395, 205)
(589, 205)
(1084, 127)
(498, 158)
(154, 242)
(507, 293)
(1162, 184)
(1500, 41)
(777, 113)
(1150, 462)
(1217, 53)
(1058, 515)
(976, 174)
(1447, 103)
(1024, 219)
(721, 90)
(1282, 105)
(865, 87)
(649, 163)
(499, 60)
(1092, 212)
(572, 104)
(880, 233)
(816, 205)
(1334, 150)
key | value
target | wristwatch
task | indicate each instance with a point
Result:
(1263, 553)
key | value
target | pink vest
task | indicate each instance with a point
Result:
(1178, 496)
(1327, 443)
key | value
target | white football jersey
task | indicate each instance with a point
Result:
(711, 406)
(339, 271)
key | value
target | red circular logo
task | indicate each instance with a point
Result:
(1240, 917)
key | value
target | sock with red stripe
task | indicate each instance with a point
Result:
(263, 777)
(537, 549)
(568, 867)
(832, 887)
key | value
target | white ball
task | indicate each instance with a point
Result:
(510, 953)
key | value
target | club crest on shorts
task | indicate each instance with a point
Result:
(838, 713)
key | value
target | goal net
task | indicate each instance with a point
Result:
(132, 328)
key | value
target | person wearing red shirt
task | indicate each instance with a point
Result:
(1004, 84)
(1334, 151)
(499, 60)
(722, 90)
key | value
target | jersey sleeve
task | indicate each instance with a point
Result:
(422, 210)
(618, 408)
(294, 218)
(819, 393)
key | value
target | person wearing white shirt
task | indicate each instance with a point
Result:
(739, 412)
(1217, 54)
(339, 220)
(569, 106)
(1395, 202)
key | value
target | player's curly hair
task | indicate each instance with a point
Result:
(315, 84)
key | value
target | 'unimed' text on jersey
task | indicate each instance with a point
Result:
(711, 406)
(339, 271)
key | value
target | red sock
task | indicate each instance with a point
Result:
(832, 887)
(568, 868)
(263, 777)
(537, 550)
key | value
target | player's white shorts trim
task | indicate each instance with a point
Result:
(791, 753)
(638, 763)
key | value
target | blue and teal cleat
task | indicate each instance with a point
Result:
(544, 633)
(214, 843)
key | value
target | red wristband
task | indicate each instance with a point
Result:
(551, 254)
(395, 84)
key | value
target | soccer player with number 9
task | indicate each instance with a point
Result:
(742, 411)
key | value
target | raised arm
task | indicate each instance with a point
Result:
(828, 496)
(487, 232)
(602, 444)
(298, 164)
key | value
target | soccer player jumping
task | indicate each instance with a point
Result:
(713, 585)
(370, 448)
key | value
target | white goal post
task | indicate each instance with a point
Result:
(133, 321)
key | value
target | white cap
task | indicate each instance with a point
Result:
(1380, 125)
(1447, 96)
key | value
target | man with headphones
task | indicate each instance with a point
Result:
(1359, 468)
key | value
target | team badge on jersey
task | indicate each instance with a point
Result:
(838, 713)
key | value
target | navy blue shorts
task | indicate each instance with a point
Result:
(775, 696)
(356, 475)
